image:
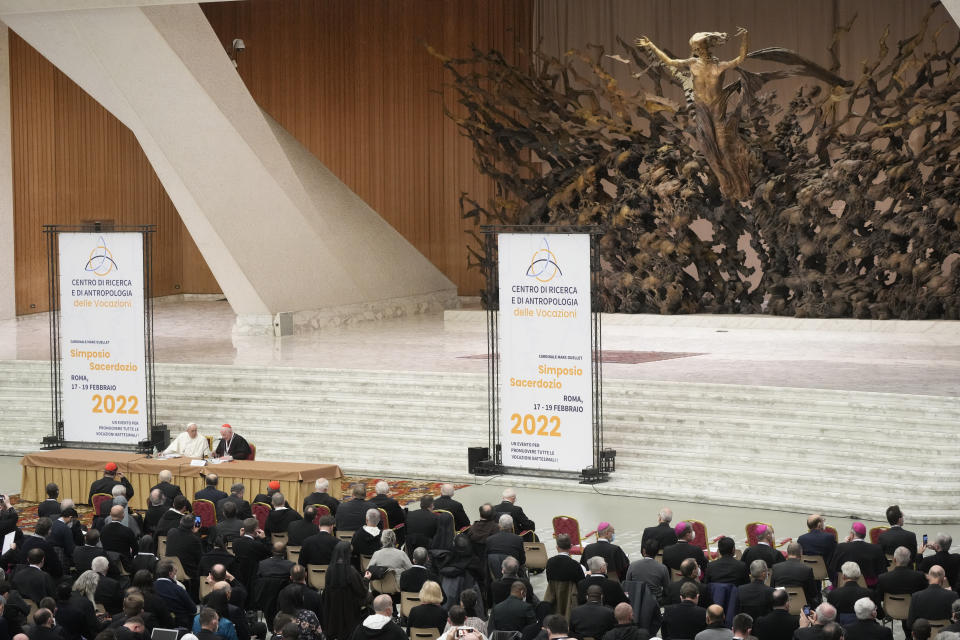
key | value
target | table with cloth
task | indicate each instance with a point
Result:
(74, 470)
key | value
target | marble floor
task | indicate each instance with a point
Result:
(896, 357)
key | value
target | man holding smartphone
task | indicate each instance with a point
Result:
(8, 516)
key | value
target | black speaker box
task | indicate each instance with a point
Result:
(475, 455)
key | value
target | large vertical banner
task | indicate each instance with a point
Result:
(102, 346)
(546, 400)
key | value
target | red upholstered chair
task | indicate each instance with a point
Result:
(97, 500)
(700, 537)
(875, 534)
(830, 529)
(384, 520)
(570, 526)
(253, 451)
(207, 512)
(322, 510)
(752, 536)
(260, 512)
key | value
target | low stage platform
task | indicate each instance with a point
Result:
(837, 416)
(74, 470)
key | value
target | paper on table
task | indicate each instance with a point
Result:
(197, 463)
(7, 541)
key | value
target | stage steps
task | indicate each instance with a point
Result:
(838, 452)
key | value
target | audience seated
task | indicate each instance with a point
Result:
(483, 528)
(210, 491)
(902, 578)
(763, 550)
(727, 568)
(318, 548)
(935, 602)
(458, 625)
(592, 619)
(183, 543)
(112, 476)
(320, 496)
(166, 487)
(381, 500)
(413, 579)
(716, 628)
(663, 532)
(249, 549)
(684, 548)
(825, 614)
(352, 514)
(869, 557)
(689, 572)
(366, 539)
(38, 540)
(109, 591)
(648, 570)
(429, 613)
(343, 596)
(228, 526)
(779, 624)
(379, 625)
(949, 562)
(617, 561)
(32, 581)
(470, 604)
(896, 536)
(685, 620)
(302, 528)
(510, 573)
(514, 613)
(421, 526)
(446, 503)
(243, 510)
(280, 515)
(844, 597)
(505, 543)
(562, 567)
(866, 627)
(817, 541)
(794, 573)
(277, 565)
(626, 628)
(612, 591)
(173, 515)
(509, 506)
(755, 597)
(50, 507)
(389, 557)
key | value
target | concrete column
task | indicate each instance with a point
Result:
(7, 289)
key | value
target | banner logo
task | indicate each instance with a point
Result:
(101, 261)
(543, 264)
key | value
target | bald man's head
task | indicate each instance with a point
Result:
(714, 614)
(116, 512)
(594, 593)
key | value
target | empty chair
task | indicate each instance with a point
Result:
(316, 575)
(419, 633)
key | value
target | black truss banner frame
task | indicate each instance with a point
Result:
(52, 232)
(603, 459)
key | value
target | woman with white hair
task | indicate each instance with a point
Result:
(388, 556)
(81, 603)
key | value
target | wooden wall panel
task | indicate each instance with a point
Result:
(74, 162)
(354, 83)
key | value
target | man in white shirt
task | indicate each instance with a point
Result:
(189, 443)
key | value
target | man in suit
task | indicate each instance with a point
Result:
(216, 555)
(779, 624)
(612, 591)
(903, 578)
(38, 540)
(51, 506)
(156, 507)
(236, 497)
(868, 556)
(117, 537)
(626, 628)
(277, 565)
(83, 556)
(228, 527)
(592, 619)
(483, 528)
(509, 506)
(232, 445)
(866, 627)
(421, 524)
(954, 625)
(506, 542)
(896, 535)
(210, 492)
(446, 503)
(302, 528)
(250, 548)
(727, 569)
(172, 516)
(352, 514)
(514, 613)
(934, 602)
(109, 592)
(844, 597)
(794, 573)
(562, 567)
(395, 515)
(318, 548)
(280, 516)
(166, 486)
(500, 589)
(616, 559)
(755, 597)
(949, 562)
(689, 572)
(763, 550)
(825, 614)
(685, 620)
(817, 541)
(184, 543)
(322, 496)
(174, 596)
(43, 626)
(648, 570)
(675, 554)
(112, 476)
(61, 535)
(32, 581)
(412, 579)
(663, 533)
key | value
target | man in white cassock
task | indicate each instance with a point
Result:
(189, 443)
